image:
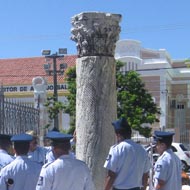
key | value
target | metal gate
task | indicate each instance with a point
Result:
(17, 117)
(181, 122)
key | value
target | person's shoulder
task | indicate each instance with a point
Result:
(185, 187)
(4, 168)
(47, 164)
(6, 157)
(167, 155)
(125, 143)
(164, 160)
(140, 146)
(114, 146)
(42, 149)
(10, 166)
(79, 162)
(82, 165)
(137, 146)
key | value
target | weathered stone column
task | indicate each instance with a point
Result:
(95, 34)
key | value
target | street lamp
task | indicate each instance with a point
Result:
(53, 72)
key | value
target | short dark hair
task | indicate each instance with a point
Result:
(5, 143)
(125, 132)
(64, 145)
(21, 147)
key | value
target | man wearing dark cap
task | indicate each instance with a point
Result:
(167, 169)
(127, 163)
(22, 173)
(50, 157)
(5, 147)
(65, 172)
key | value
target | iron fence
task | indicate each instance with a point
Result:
(17, 117)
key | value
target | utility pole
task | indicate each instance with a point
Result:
(53, 72)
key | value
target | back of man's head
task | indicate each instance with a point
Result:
(21, 148)
(122, 127)
(5, 142)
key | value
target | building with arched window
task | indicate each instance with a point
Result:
(167, 80)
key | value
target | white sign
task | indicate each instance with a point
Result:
(29, 88)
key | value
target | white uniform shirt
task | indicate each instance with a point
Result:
(168, 168)
(24, 173)
(50, 156)
(65, 173)
(185, 187)
(5, 158)
(129, 161)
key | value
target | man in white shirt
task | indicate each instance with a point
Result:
(5, 147)
(22, 173)
(127, 163)
(65, 172)
(167, 169)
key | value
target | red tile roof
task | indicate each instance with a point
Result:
(21, 71)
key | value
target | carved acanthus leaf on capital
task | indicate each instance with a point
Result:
(95, 33)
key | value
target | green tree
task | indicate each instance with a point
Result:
(55, 107)
(70, 107)
(135, 103)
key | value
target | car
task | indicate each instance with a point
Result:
(179, 149)
(184, 155)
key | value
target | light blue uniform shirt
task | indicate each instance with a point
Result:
(65, 173)
(23, 172)
(51, 158)
(5, 158)
(168, 169)
(129, 161)
(39, 154)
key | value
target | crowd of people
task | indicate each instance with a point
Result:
(24, 165)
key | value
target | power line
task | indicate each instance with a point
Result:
(63, 35)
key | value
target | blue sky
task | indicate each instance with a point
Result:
(28, 26)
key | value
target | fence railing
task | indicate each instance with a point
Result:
(16, 117)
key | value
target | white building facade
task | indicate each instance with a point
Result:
(167, 80)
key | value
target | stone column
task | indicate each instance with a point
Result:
(40, 86)
(95, 35)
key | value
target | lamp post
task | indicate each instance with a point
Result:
(53, 72)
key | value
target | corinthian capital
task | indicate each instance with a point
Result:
(95, 33)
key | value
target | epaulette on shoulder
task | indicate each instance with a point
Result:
(46, 165)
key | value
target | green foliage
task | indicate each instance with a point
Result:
(187, 62)
(53, 108)
(134, 102)
(70, 107)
